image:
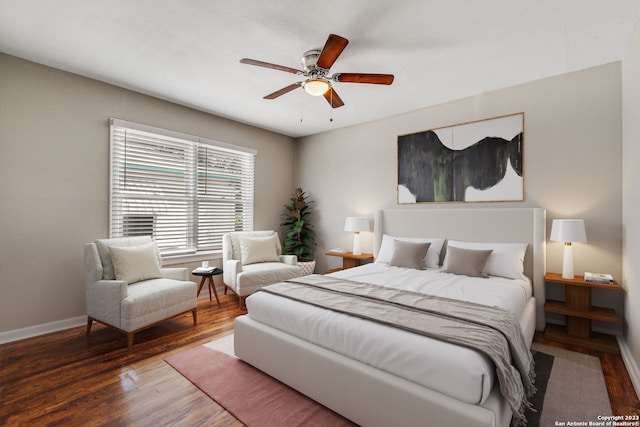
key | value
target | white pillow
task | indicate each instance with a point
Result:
(432, 260)
(103, 246)
(258, 249)
(506, 259)
(135, 263)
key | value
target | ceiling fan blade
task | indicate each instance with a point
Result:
(269, 65)
(333, 99)
(377, 79)
(331, 50)
(284, 90)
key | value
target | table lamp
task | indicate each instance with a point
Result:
(356, 224)
(568, 231)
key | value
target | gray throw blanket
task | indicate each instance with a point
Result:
(490, 330)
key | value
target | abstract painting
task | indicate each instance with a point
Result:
(471, 162)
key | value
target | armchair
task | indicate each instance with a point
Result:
(252, 259)
(127, 289)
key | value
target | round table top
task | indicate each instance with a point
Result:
(213, 272)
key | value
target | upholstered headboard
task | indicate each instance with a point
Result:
(516, 225)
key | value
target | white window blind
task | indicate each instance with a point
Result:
(183, 191)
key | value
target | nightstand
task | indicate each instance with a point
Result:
(349, 260)
(579, 313)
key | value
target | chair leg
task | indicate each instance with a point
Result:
(194, 313)
(89, 323)
(241, 299)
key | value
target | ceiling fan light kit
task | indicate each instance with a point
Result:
(316, 64)
(316, 87)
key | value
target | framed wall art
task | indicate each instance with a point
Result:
(477, 161)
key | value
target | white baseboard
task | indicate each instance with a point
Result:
(42, 329)
(630, 364)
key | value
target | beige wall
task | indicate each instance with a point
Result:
(631, 197)
(54, 172)
(572, 160)
(54, 179)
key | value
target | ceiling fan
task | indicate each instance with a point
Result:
(316, 64)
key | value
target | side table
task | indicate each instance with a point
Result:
(579, 313)
(349, 260)
(208, 276)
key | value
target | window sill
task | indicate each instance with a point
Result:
(185, 259)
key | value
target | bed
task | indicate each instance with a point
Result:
(365, 382)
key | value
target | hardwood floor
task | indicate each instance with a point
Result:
(68, 379)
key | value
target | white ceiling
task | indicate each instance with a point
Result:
(188, 51)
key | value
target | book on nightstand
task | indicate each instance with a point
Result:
(205, 269)
(598, 277)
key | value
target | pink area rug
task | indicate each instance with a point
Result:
(252, 396)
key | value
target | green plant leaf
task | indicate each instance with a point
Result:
(299, 236)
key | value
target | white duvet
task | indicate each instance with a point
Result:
(456, 371)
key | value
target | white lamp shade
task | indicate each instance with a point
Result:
(357, 224)
(568, 230)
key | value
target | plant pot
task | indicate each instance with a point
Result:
(308, 267)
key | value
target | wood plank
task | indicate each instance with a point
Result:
(361, 257)
(579, 281)
(594, 313)
(65, 378)
(595, 341)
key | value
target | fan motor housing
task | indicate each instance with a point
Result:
(309, 60)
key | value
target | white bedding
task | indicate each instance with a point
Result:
(453, 370)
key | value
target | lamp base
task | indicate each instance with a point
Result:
(567, 261)
(357, 245)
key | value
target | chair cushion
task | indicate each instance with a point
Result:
(151, 301)
(135, 263)
(258, 249)
(263, 274)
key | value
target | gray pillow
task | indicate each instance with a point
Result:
(409, 254)
(469, 262)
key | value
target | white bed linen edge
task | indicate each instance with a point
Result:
(456, 371)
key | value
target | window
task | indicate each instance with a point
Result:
(182, 190)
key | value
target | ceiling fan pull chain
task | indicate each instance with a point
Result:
(331, 107)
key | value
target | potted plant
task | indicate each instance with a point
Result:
(299, 235)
